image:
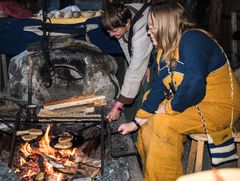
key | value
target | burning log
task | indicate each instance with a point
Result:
(39, 176)
(31, 166)
(84, 159)
(73, 171)
(89, 162)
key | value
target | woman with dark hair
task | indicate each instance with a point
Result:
(192, 78)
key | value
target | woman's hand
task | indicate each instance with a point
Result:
(127, 128)
(147, 76)
(161, 109)
(113, 115)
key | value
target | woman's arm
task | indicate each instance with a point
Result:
(196, 50)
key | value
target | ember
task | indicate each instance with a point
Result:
(47, 163)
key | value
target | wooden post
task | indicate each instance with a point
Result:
(1, 75)
(215, 18)
(4, 69)
(234, 61)
(104, 4)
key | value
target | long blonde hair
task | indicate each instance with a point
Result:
(170, 21)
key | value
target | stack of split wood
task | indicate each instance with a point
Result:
(71, 107)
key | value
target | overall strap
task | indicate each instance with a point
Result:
(137, 16)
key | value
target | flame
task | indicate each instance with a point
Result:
(22, 161)
(30, 173)
(44, 144)
(26, 149)
(59, 177)
(63, 156)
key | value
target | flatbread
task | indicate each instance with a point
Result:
(29, 137)
(37, 132)
(22, 132)
(65, 145)
(65, 138)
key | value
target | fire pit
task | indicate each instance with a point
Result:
(39, 160)
(91, 71)
(87, 155)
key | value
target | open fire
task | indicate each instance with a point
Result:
(43, 162)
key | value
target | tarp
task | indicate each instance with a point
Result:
(13, 39)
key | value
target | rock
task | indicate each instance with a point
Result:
(78, 68)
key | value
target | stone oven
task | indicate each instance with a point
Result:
(76, 68)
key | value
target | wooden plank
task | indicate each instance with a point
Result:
(238, 152)
(192, 157)
(199, 158)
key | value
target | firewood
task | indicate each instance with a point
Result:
(95, 173)
(40, 176)
(74, 111)
(44, 112)
(68, 170)
(89, 169)
(71, 99)
(75, 101)
(78, 118)
(84, 172)
(88, 161)
(69, 112)
(53, 162)
(72, 170)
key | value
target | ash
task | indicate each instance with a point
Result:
(6, 174)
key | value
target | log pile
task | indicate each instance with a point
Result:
(73, 107)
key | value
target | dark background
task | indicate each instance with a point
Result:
(212, 15)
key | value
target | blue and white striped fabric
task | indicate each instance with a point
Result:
(223, 152)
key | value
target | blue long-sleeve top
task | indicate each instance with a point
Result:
(199, 55)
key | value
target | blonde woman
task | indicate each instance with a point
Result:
(191, 70)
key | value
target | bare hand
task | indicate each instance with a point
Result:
(147, 75)
(161, 109)
(127, 128)
(113, 115)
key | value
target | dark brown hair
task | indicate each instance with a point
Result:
(115, 16)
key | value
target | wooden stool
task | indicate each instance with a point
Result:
(195, 157)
